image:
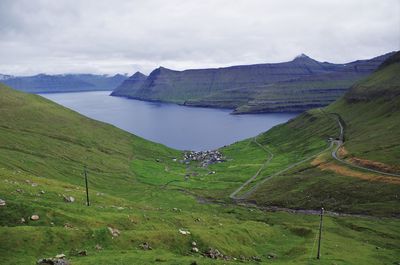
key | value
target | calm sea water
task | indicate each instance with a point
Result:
(185, 128)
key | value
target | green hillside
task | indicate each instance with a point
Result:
(369, 112)
(137, 187)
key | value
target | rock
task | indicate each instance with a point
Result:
(195, 250)
(22, 221)
(184, 232)
(194, 244)
(2, 202)
(82, 253)
(145, 246)
(42, 192)
(68, 198)
(68, 226)
(19, 190)
(98, 247)
(54, 261)
(272, 256)
(213, 253)
(114, 231)
(60, 256)
(35, 217)
(255, 258)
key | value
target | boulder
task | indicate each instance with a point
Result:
(35, 217)
(114, 231)
(53, 261)
(2, 202)
(195, 250)
(69, 198)
(184, 232)
(145, 246)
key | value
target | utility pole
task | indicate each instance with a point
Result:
(320, 234)
(87, 188)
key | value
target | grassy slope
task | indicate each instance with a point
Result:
(370, 112)
(46, 144)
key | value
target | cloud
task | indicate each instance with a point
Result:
(109, 36)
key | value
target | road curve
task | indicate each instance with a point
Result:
(271, 155)
(339, 144)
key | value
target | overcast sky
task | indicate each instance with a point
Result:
(121, 36)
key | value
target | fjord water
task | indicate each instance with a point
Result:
(180, 127)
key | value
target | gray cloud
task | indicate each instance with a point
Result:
(109, 36)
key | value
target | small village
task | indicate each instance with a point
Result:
(205, 158)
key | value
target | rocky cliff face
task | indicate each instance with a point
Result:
(297, 85)
(130, 85)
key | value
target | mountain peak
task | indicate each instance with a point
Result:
(302, 57)
(137, 76)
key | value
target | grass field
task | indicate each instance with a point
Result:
(44, 148)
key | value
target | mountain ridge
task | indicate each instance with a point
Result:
(252, 88)
(45, 83)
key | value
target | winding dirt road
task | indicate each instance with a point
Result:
(339, 142)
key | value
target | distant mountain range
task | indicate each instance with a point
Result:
(297, 85)
(43, 83)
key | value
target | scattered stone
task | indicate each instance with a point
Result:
(174, 159)
(22, 221)
(42, 192)
(197, 220)
(114, 231)
(211, 172)
(53, 261)
(34, 184)
(59, 259)
(98, 247)
(2, 202)
(19, 190)
(35, 217)
(68, 226)
(195, 250)
(68, 199)
(158, 160)
(255, 258)
(194, 243)
(213, 253)
(82, 253)
(184, 232)
(272, 256)
(176, 210)
(145, 246)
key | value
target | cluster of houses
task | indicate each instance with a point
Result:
(204, 157)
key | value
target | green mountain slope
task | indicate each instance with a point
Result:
(302, 172)
(43, 148)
